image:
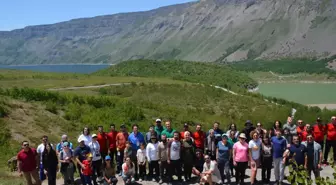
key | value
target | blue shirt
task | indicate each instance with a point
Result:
(136, 140)
(299, 152)
(223, 151)
(59, 146)
(81, 152)
(279, 146)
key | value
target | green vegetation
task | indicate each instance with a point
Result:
(195, 72)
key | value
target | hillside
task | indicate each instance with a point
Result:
(207, 30)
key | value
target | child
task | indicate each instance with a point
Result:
(87, 169)
(141, 157)
(128, 150)
(266, 159)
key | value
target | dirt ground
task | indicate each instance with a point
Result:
(322, 106)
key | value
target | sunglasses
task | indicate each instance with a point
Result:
(153, 138)
(65, 146)
(25, 144)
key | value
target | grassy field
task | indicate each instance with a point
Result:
(305, 93)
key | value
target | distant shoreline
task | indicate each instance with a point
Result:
(24, 65)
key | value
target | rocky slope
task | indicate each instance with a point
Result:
(207, 30)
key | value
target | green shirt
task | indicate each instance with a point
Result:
(159, 130)
(232, 142)
(169, 134)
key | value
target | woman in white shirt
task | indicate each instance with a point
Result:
(96, 159)
(85, 136)
(153, 157)
(128, 171)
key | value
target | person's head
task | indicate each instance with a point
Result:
(128, 161)
(212, 133)
(286, 131)
(266, 140)
(94, 137)
(224, 138)
(64, 138)
(242, 137)
(185, 127)
(199, 153)
(300, 123)
(254, 135)
(289, 119)
(151, 128)
(163, 138)
(248, 124)
(187, 135)
(310, 138)
(127, 144)
(142, 146)
(296, 140)
(333, 119)
(308, 127)
(176, 136)
(277, 124)
(278, 133)
(100, 129)
(89, 157)
(153, 138)
(198, 127)
(44, 139)
(259, 126)
(233, 127)
(135, 128)
(108, 161)
(122, 128)
(112, 127)
(216, 126)
(232, 134)
(158, 122)
(25, 145)
(66, 146)
(319, 121)
(207, 158)
(86, 131)
(48, 147)
(168, 125)
(81, 142)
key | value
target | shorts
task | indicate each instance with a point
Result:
(257, 164)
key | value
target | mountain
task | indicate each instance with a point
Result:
(207, 30)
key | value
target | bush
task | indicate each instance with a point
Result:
(51, 107)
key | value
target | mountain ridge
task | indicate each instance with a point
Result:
(208, 30)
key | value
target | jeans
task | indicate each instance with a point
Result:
(279, 169)
(32, 174)
(175, 168)
(164, 169)
(187, 171)
(224, 169)
(154, 165)
(96, 170)
(134, 159)
(240, 171)
(42, 175)
(87, 180)
(120, 160)
(330, 144)
(266, 165)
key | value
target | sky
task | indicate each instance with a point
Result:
(16, 14)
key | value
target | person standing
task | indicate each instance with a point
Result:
(67, 164)
(188, 155)
(314, 156)
(121, 139)
(185, 128)
(96, 159)
(50, 164)
(152, 153)
(266, 159)
(319, 131)
(233, 127)
(111, 138)
(85, 136)
(248, 129)
(290, 126)
(28, 162)
(40, 150)
(210, 145)
(224, 155)
(300, 128)
(169, 131)
(86, 169)
(149, 134)
(103, 142)
(59, 146)
(240, 158)
(141, 159)
(331, 140)
(279, 146)
(232, 140)
(158, 127)
(218, 132)
(199, 137)
(260, 130)
(135, 139)
(254, 154)
(174, 156)
(80, 155)
(163, 157)
(276, 126)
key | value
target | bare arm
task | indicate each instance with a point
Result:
(19, 164)
(217, 154)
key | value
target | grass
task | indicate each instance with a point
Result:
(267, 77)
(305, 93)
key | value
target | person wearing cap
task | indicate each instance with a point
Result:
(254, 154)
(169, 131)
(185, 128)
(319, 131)
(187, 155)
(96, 159)
(121, 139)
(59, 146)
(199, 137)
(210, 145)
(290, 126)
(151, 132)
(279, 145)
(331, 140)
(135, 139)
(158, 127)
(80, 155)
(66, 158)
(240, 158)
(248, 129)
(103, 142)
(152, 153)
(223, 156)
(111, 139)
(109, 172)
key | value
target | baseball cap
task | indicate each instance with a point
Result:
(158, 120)
(107, 158)
(80, 139)
(94, 135)
(65, 144)
(122, 126)
(318, 119)
(186, 125)
(224, 136)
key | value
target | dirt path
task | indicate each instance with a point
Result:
(87, 87)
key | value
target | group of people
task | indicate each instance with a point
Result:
(213, 157)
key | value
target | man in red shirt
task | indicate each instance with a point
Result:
(199, 137)
(308, 130)
(300, 128)
(185, 128)
(319, 131)
(331, 139)
(121, 139)
(28, 162)
(102, 140)
(111, 137)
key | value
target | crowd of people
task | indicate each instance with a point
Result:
(213, 157)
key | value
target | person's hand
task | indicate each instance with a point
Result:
(82, 166)
(46, 172)
(20, 174)
(284, 161)
(109, 181)
(253, 164)
(168, 161)
(159, 162)
(234, 163)
(288, 145)
(319, 166)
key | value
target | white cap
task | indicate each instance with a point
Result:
(94, 135)
(80, 139)
(158, 120)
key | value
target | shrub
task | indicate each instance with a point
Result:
(51, 107)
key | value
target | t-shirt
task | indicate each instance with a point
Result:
(331, 132)
(95, 150)
(87, 171)
(266, 151)
(199, 138)
(298, 152)
(168, 133)
(59, 146)
(241, 152)
(109, 172)
(87, 139)
(81, 152)
(290, 127)
(223, 151)
(111, 137)
(199, 162)
(141, 155)
(121, 140)
(28, 159)
(152, 152)
(279, 146)
(310, 154)
(40, 150)
(159, 130)
(255, 146)
(136, 140)
(102, 140)
(175, 149)
(319, 132)
(63, 154)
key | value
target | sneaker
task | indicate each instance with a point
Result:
(120, 174)
(153, 180)
(160, 182)
(140, 180)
